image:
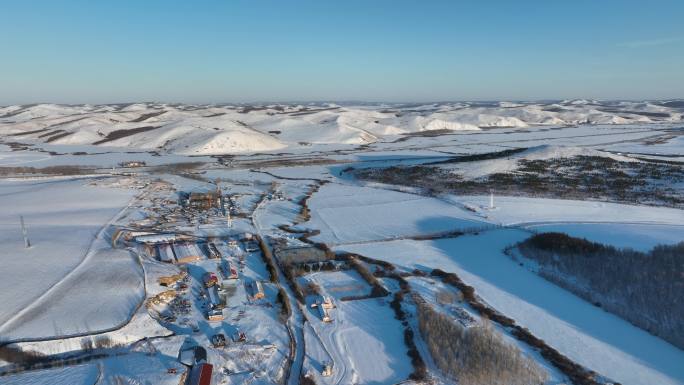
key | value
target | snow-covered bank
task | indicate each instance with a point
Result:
(522, 210)
(641, 237)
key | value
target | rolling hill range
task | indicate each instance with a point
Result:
(234, 129)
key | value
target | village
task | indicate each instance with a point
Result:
(216, 279)
(218, 274)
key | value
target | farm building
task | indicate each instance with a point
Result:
(153, 239)
(133, 163)
(200, 374)
(325, 314)
(187, 252)
(300, 254)
(165, 252)
(210, 279)
(325, 302)
(213, 250)
(201, 200)
(171, 279)
(251, 246)
(229, 284)
(257, 290)
(215, 315)
(327, 369)
(163, 297)
(239, 336)
(214, 299)
(229, 270)
(324, 306)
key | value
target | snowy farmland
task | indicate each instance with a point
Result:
(64, 217)
(347, 214)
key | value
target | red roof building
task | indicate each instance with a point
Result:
(201, 374)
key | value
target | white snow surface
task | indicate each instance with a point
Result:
(364, 339)
(47, 289)
(70, 375)
(641, 237)
(357, 214)
(523, 210)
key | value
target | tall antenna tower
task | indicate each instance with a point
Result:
(27, 243)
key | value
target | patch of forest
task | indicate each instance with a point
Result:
(475, 355)
(643, 288)
(118, 134)
(579, 177)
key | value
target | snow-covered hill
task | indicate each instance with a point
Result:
(225, 129)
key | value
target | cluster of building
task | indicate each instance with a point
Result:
(132, 164)
(232, 205)
(276, 196)
(201, 200)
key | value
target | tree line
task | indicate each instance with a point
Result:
(643, 288)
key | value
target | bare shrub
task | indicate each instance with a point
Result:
(285, 309)
(446, 297)
(87, 344)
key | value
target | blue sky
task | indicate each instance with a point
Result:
(258, 50)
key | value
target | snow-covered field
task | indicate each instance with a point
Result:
(60, 283)
(102, 293)
(365, 342)
(340, 284)
(356, 214)
(70, 375)
(585, 333)
(523, 210)
(642, 237)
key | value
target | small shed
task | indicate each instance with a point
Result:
(257, 290)
(215, 315)
(214, 298)
(187, 252)
(166, 253)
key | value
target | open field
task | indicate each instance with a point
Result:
(63, 218)
(356, 214)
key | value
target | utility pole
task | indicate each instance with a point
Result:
(27, 243)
